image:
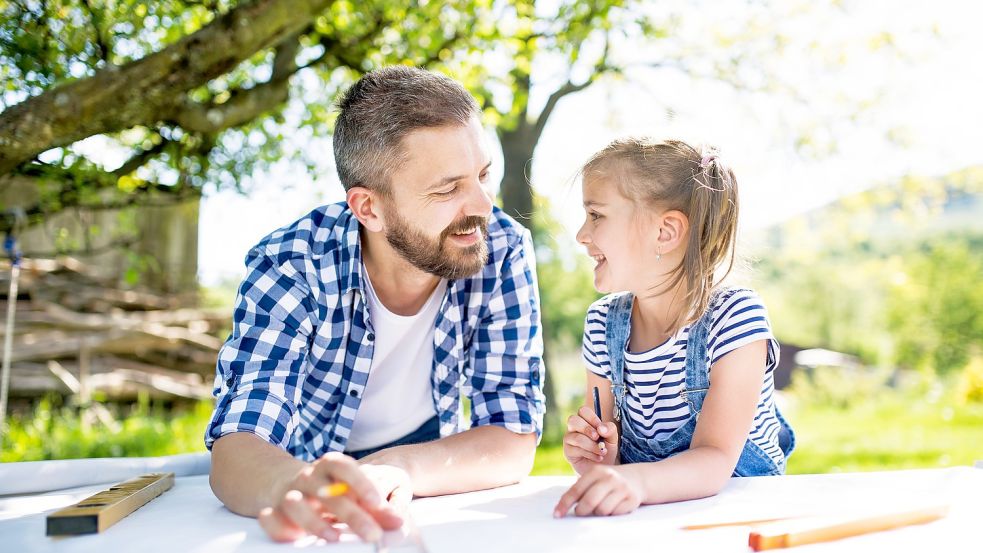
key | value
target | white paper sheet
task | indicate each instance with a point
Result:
(518, 519)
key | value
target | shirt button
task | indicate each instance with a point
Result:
(353, 393)
(370, 336)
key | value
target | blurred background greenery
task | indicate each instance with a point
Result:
(873, 289)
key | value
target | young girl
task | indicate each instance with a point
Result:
(683, 365)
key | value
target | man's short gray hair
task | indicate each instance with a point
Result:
(383, 107)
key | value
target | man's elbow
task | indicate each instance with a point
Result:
(523, 455)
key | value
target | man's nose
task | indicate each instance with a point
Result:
(479, 201)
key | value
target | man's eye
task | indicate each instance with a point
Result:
(447, 192)
(483, 177)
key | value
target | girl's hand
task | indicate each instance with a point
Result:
(580, 444)
(603, 491)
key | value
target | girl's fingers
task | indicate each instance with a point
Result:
(592, 498)
(587, 413)
(573, 495)
(626, 506)
(609, 431)
(610, 503)
(577, 424)
(582, 446)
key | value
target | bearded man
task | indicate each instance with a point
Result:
(362, 329)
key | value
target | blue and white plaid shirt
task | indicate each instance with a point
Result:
(294, 369)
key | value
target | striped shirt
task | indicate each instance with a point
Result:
(655, 378)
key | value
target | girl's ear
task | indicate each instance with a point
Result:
(673, 230)
(367, 207)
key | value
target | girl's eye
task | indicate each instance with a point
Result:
(483, 177)
(593, 216)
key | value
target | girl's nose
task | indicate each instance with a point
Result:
(583, 237)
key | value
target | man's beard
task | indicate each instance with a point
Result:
(437, 256)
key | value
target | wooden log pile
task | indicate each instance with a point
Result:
(75, 334)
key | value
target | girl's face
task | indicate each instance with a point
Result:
(621, 237)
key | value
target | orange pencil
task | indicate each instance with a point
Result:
(814, 529)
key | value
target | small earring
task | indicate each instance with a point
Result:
(658, 255)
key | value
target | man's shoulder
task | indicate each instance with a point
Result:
(311, 236)
(505, 234)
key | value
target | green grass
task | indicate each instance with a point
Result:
(550, 461)
(56, 432)
(884, 430)
(890, 431)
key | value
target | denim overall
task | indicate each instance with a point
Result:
(635, 448)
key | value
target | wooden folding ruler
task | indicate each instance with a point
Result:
(100, 511)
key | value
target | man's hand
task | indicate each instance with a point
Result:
(392, 482)
(302, 510)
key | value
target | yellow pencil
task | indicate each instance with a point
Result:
(333, 490)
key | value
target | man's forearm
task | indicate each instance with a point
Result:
(477, 459)
(248, 473)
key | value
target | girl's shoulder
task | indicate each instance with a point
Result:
(732, 294)
(598, 311)
(735, 306)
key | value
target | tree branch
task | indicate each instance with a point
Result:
(600, 68)
(104, 50)
(141, 158)
(143, 91)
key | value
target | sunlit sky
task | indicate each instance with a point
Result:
(924, 94)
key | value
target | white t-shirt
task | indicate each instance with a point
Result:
(398, 397)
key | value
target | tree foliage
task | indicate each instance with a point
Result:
(195, 93)
(891, 274)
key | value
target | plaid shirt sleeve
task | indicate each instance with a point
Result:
(507, 349)
(261, 366)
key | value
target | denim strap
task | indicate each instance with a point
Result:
(616, 337)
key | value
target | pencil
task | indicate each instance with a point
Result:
(333, 490)
(597, 411)
(751, 522)
(787, 534)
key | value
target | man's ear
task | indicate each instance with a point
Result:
(367, 207)
(673, 230)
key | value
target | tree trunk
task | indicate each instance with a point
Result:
(518, 146)
(517, 149)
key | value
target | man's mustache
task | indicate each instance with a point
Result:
(467, 223)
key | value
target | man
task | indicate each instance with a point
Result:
(360, 328)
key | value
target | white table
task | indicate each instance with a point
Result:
(519, 518)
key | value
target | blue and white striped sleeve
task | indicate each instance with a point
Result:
(262, 364)
(507, 350)
(739, 319)
(595, 349)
